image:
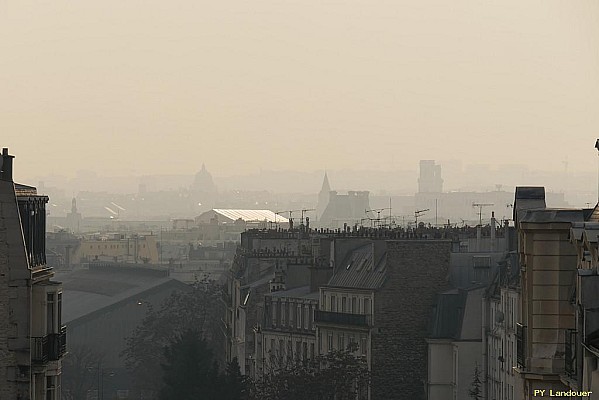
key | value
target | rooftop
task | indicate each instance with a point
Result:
(88, 291)
(302, 292)
(361, 269)
(251, 215)
(549, 215)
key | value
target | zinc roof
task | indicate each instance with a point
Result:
(360, 270)
(251, 215)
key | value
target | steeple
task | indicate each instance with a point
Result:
(326, 188)
(323, 196)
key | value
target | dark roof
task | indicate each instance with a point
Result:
(86, 292)
(302, 292)
(550, 215)
(592, 214)
(530, 192)
(360, 270)
(447, 316)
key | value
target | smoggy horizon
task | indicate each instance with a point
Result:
(143, 88)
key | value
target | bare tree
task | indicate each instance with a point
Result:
(198, 309)
(80, 372)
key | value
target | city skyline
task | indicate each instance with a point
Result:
(156, 89)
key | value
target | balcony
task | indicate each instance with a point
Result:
(337, 318)
(521, 345)
(570, 359)
(50, 347)
(39, 349)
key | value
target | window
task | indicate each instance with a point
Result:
(281, 349)
(50, 315)
(306, 316)
(354, 306)
(367, 306)
(320, 342)
(283, 307)
(298, 350)
(50, 387)
(330, 343)
(364, 345)
(311, 350)
(299, 316)
(341, 342)
(333, 304)
(290, 314)
(289, 351)
(304, 351)
(274, 313)
(343, 304)
(59, 311)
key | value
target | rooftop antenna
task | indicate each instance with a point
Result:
(480, 210)
(290, 221)
(305, 210)
(418, 213)
(378, 211)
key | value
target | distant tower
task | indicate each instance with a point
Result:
(74, 218)
(430, 180)
(323, 196)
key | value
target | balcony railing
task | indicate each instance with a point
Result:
(521, 345)
(571, 346)
(341, 318)
(39, 349)
(50, 347)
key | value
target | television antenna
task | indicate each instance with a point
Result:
(480, 210)
(378, 211)
(418, 213)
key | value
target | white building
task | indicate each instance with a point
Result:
(454, 344)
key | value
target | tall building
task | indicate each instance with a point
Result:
(430, 180)
(548, 265)
(32, 338)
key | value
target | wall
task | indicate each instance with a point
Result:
(14, 298)
(440, 374)
(416, 271)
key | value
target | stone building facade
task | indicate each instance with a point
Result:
(32, 337)
(548, 270)
(287, 330)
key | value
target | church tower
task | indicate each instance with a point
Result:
(323, 196)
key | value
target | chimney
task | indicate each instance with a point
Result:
(6, 166)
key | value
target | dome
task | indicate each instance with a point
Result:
(203, 182)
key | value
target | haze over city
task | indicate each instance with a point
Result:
(297, 200)
(143, 88)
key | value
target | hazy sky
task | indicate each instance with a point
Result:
(145, 87)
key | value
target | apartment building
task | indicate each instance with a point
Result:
(501, 313)
(454, 344)
(581, 343)
(548, 265)
(32, 337)
(287, 333)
